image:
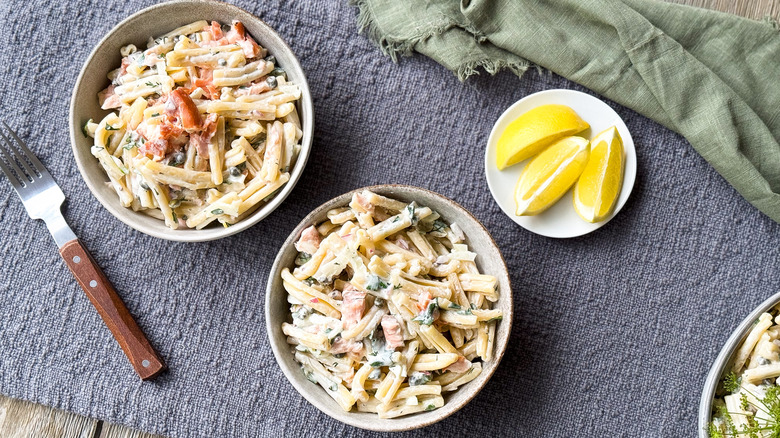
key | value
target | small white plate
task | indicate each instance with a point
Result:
(560, 220)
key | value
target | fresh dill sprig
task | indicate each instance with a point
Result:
(769, 427)
(731, 382)
(715, 432)
(743, 402)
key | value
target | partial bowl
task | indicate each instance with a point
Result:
(489, 261)
(724, 361)
(560, 220)
(136, 29)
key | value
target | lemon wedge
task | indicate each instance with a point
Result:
(598, 188)
(550, 174)
(534, 130)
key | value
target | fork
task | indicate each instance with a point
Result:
(42, 198)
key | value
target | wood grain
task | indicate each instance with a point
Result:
(755, 9)
(23, 419)
(109, 305)
(111, 430)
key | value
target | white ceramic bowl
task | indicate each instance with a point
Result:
(560, 220)
(136, 29)
(489, 261)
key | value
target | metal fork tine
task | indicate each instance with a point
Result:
(30, 156)
(11, 178)
(21, 176)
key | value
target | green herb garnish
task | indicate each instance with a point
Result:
(309, 375)
(769, 406)
(269, 197)
(731, 382)
(427, 316)
(375, 283)
(130, 143)
(84, 128)
(419, 378)
(410, 210)
(439, 226)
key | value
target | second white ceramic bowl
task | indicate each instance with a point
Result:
(489, 261)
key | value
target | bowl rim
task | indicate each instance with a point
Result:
(723, 360)
(190, 235)
(381, 426)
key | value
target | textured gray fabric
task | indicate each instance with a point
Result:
(614, 331)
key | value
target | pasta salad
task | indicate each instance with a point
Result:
(388, 308)
(748, 402)
(203, 126)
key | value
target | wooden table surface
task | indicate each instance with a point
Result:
(21, 419)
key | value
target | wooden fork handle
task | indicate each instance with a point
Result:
(139, 351)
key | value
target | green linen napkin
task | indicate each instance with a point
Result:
(712, 77)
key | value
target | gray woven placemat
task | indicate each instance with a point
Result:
(613, 335)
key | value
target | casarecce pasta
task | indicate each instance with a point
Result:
(205, 126)
(388, 308)
(747, 408)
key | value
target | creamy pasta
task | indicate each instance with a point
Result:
(748, 403)
(203, 126)
(388, 308)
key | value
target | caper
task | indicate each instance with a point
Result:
(271, 59)
(271, 80)
(234, 172)
(278, 71)
(178, 158)
(176, 202)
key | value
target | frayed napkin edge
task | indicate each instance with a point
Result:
(396, 48)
